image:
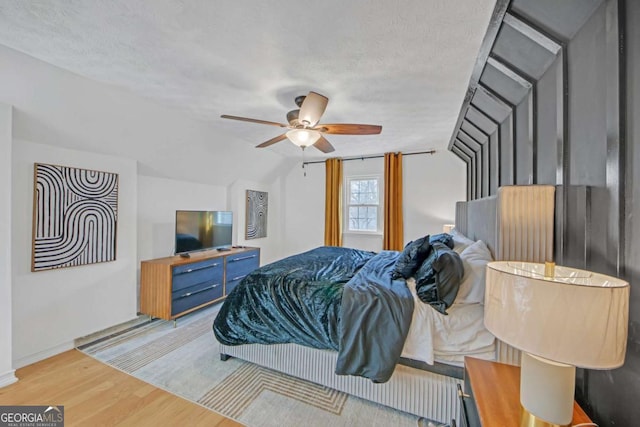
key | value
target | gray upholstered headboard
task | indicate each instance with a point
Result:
(516, 224)
(476, 219)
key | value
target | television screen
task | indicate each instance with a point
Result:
(201, 230)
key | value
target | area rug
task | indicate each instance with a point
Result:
(185, 361)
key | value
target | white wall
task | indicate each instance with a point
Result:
(6, 371)
(432, 184)
(304, 208)
(158, 201)
(51, 308)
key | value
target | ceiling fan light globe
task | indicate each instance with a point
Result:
(303, 137)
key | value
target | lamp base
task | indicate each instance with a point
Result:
(547, 389)
(529, 420)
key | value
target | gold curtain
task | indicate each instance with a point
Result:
(393, 237)
(333, 203)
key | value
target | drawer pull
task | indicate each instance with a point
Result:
(198, 268)
(188, 294)
(238, 278)
(243, 258)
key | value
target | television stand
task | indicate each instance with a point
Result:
(174, 286)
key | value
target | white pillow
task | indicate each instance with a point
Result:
(474, 259)
(460, 241)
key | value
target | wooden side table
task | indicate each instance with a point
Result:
(493, 391)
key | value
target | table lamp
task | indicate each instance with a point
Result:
(446, 228)
(561, 318)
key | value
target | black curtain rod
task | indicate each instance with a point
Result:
(379, 156)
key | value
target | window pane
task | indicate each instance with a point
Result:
(372, 198)
(372, 213)
(376, 197)
(363, 191)
(372, 191)
(372, 219)
(353, 218)
(353, 194)
(362, 218)
(362, 215)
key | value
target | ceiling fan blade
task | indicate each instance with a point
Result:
(323, 145)
(246, 119)
(272, 141)
(312, 109)
(349, 129)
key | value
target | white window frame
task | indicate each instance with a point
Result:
(347, 198)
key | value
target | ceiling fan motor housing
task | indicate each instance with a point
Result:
(292, 117)
(299, 100)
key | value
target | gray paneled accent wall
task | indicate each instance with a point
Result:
(555, 99)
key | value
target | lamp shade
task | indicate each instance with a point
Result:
(574, 317)
(303, 137)
(446, 228)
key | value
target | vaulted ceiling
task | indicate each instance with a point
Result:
(404, 65)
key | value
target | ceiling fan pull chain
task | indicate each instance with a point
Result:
(304, 170)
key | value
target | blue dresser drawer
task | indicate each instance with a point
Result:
(230, 285)
(195, 296)
(241, 264)
(187, 268)
(193, 274)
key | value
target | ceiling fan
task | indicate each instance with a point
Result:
(303, 126)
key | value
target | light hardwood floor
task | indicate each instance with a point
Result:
(94, 394)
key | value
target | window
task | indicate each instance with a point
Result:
(363, 204)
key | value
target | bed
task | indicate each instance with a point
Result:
(516, 224)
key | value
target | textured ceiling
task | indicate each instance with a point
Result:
(404, 65)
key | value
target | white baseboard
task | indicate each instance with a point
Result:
(140, 319)
(8, 378)
(41, 355)
(44, 354)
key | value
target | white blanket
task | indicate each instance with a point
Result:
(448, 338)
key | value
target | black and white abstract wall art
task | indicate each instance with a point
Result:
(75, 213)
(257, 207)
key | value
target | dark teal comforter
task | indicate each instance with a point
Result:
(328, 298)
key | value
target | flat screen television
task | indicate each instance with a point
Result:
(202, 230)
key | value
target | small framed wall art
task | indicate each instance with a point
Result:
(257, 209)
(75, 216)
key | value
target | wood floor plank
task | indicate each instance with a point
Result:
(96, 394)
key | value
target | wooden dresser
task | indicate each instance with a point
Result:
(493, 395)
(174, 286)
